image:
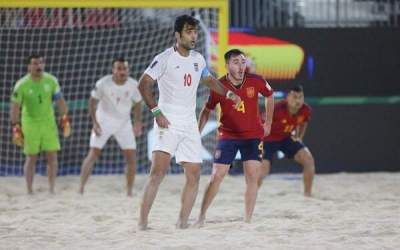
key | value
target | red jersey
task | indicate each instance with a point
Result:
(245, 121)
(284, 123)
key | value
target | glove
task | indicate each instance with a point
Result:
(17, 135)
(65, 125)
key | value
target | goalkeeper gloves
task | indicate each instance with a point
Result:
(17, 135)
(65, 125)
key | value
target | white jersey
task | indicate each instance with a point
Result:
(115, 101)
(178, 78)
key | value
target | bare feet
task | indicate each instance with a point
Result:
(199, 223)
(181, 225)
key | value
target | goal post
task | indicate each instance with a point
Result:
(78, 40)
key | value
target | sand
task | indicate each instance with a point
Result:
(348, 211)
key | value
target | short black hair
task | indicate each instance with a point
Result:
(180, 22)
(231, 53)
(297, 88)
(118, 59)
(32, 56)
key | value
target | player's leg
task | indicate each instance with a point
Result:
(159, 167)
(52, 168)
(252, 153)
(269, 149)
(31, 151)
(50, 144)
(306, 160)
(97, 143)
(87, 167)
(188, 154)
(225, 153)
(126, 140)
(130, 169)
(251, 173)
(29, 171)
(219, 171)
(189, 192)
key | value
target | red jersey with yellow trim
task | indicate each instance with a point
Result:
(283, 123)
(245, 121)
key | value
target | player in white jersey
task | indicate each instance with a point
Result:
(178, 72)
(114, 95)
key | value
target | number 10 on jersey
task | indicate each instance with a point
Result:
(187, 80)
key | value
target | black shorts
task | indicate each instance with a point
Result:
(288, 146)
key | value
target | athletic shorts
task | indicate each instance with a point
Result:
(183, 142)
(123, 134)
(288, 146)
(40, 136)
(250, 149)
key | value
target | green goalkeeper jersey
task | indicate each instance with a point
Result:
(36, 97)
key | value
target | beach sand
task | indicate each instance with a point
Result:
(348, 211)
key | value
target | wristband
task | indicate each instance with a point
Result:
(156, 111)
(229, 94)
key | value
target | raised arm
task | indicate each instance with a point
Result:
(219, 88)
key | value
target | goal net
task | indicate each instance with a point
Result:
(78, 46)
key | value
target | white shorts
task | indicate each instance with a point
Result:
(183, 143)
(123, 134)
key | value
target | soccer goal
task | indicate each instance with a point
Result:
(78, 40)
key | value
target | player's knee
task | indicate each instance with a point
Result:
(218, 176)
(193, 177)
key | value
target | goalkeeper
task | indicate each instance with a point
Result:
(37, 130)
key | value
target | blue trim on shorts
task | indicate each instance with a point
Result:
(250, 149)
(288, 146)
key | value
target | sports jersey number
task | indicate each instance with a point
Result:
(187, 80)
(241, 108)
(288, 128)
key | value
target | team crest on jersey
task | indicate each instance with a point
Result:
(300, 119)
(217, 154)
(250, 92)
(196, 67)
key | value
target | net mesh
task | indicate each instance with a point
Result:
(78, 45)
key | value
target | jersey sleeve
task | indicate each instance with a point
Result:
(212, 101)
(265, 88)
(17, 94)
(307, 113)
(157, 67)
(204, 72)
(136, 97)
(97, 92)
(56, 89)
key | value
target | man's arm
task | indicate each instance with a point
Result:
(92, 106)
(301, 131)
(137, 117)
(269, 110)
(218, 87)
(62, 107)
(15, 112)
(146, 90)
(203, 117)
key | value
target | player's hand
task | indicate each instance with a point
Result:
(235, 98)
(137, 128)
(267, 128)
(96, 128)
(162, 121)
(17, 135)
(65, 125)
